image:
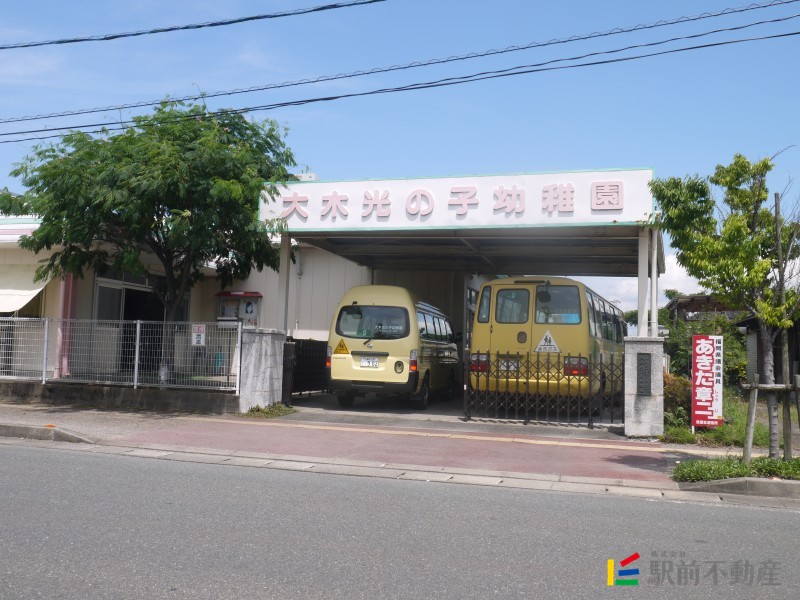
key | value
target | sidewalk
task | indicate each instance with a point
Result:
(434, 446)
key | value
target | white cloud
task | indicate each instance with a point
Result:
(624, 291)
(676, 278)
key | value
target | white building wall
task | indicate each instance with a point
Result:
(84, 297)
(317, 281)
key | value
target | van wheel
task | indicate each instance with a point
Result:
(346, 401)
(421, 399)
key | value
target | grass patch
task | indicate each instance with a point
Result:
(270, 412)
(678, 435)
(677, 429)
(729, 466)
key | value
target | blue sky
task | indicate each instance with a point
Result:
(678, 114)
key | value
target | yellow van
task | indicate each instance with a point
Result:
(384, 340)
(546, 337)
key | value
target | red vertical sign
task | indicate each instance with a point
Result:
(706, 380)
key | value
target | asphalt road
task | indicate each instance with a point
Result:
(78, 525)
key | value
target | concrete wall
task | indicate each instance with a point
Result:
(124, 398)
(644, 413)
(262, 368)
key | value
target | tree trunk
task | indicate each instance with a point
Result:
(787, 406)
(768, 368)
(167, 366)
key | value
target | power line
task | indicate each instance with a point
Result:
(435, 61)
(116, 36)
(507, 70)
(527, 70)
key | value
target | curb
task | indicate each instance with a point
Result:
(646, 490)
(51, 433)
(747, 486)
(754, 491)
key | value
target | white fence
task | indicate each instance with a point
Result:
(135, 353)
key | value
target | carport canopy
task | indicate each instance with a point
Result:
(581, 223)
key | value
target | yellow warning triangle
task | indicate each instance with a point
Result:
(341, 348)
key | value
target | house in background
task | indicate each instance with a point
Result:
(318, 280)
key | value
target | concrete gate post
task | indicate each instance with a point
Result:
(262, 368)
(644, 386)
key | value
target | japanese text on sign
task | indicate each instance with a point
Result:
(706, 380)
(198, 335)
(510, 201)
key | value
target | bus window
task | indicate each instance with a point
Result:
(558, 304)
(484, 309)
(512, 306)
(431, 328)
(590, 312)
(439, 329)
(606, 331)
(421, 325)
(450, 338)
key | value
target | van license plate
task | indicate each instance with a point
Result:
(369, 361)
(509, 365)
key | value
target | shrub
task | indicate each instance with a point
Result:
(709, 470)
(770, 467)
(677, 393)
(729, 466)
(677, 418)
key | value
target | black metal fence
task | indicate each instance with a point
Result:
(309, 366)
(544, 387)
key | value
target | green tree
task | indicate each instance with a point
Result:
(678, 343)
(739, 250)
(182, 185)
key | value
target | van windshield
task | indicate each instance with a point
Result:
(373, 322)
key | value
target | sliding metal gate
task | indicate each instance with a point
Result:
(544, 387)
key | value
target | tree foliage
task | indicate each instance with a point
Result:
(180, 188)
(742, 250)
(678, 344)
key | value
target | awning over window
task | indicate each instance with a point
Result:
(17, 287)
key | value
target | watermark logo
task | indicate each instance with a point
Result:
(675, 568)
(623, 576)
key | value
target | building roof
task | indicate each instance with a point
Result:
(697, 303)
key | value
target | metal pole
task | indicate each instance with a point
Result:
(239, 359)
(44, 353)
(642, 327)
(653, 283)
(136, 359)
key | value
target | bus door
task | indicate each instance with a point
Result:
(511, 329)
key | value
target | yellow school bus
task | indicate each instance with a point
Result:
(546, 336)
